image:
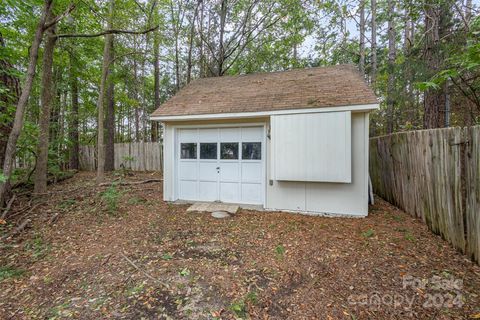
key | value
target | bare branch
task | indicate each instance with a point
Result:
(111, 31)
(57, 19)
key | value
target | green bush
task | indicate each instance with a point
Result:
(111, 197)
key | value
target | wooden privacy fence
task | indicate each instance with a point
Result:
(137, 156)
(433, 175)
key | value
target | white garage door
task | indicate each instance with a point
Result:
(221, 164)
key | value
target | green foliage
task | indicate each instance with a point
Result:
(111, 196)
(135, 290)
(280, 250)
(167, 256)
(9, 271)
(239, 308)
(252, 297)
(37, 247)
(61, 311)
(284, 34)
(410, 237)
(128, 160)
(184, 272)
(67, 203)
(368, 234)
(136, 200)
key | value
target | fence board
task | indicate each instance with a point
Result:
(433, 175)
(138, 156)
(472, 188)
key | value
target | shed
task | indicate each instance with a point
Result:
(293, 140)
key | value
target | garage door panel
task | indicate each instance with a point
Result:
(188, 190)
(251, 193)
(252, 172)
(229, 191)
(252, 134)
(188, 135)
(188, 170)
(229, 134)
(208, 135)
(227, 166)
(207, 191)
(229, 171)
(207, 171)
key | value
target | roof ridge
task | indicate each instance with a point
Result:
(337, 66)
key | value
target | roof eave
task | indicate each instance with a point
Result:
(259, 114)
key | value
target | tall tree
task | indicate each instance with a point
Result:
(191, 42)
(101, 99)
(361, 62)
(41, 168)
(391, 66)
(110, 112)
(373, 71)
(10, 84)
(156, 72)
(74, 162)
(177, 14)
(249, 24)
(434, 98)
(22, 101)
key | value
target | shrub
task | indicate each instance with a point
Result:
(111, 197)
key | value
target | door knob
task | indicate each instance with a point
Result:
(218, 168)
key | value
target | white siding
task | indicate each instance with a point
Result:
(316, 197)
(324, 197)
(168, 163)
(313, 147)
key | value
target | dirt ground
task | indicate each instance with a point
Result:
(122, 253)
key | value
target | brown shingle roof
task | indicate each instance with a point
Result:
(299, 88)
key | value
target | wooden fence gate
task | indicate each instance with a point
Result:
(433, 175)
(137, 156)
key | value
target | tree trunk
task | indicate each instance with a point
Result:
(373, 74)
(409, 98)
(201, 58)
(110, 114)
(61, 132)
(391, 67)
(156, 82)
(100, 102)
(73, 127)
(434, 99)
(176, 31)
(22, 101)
(177, 64)
(41, 168)
(190, 45)
(136, 97)
(12, 84)
(221, 49)
(361, 62)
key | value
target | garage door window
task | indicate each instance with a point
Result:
(208, 151)
(229, 151)
(251, 151)
(188, 151)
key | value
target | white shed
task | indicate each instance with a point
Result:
(294, 140)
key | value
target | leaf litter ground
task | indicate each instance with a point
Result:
(83, 257)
